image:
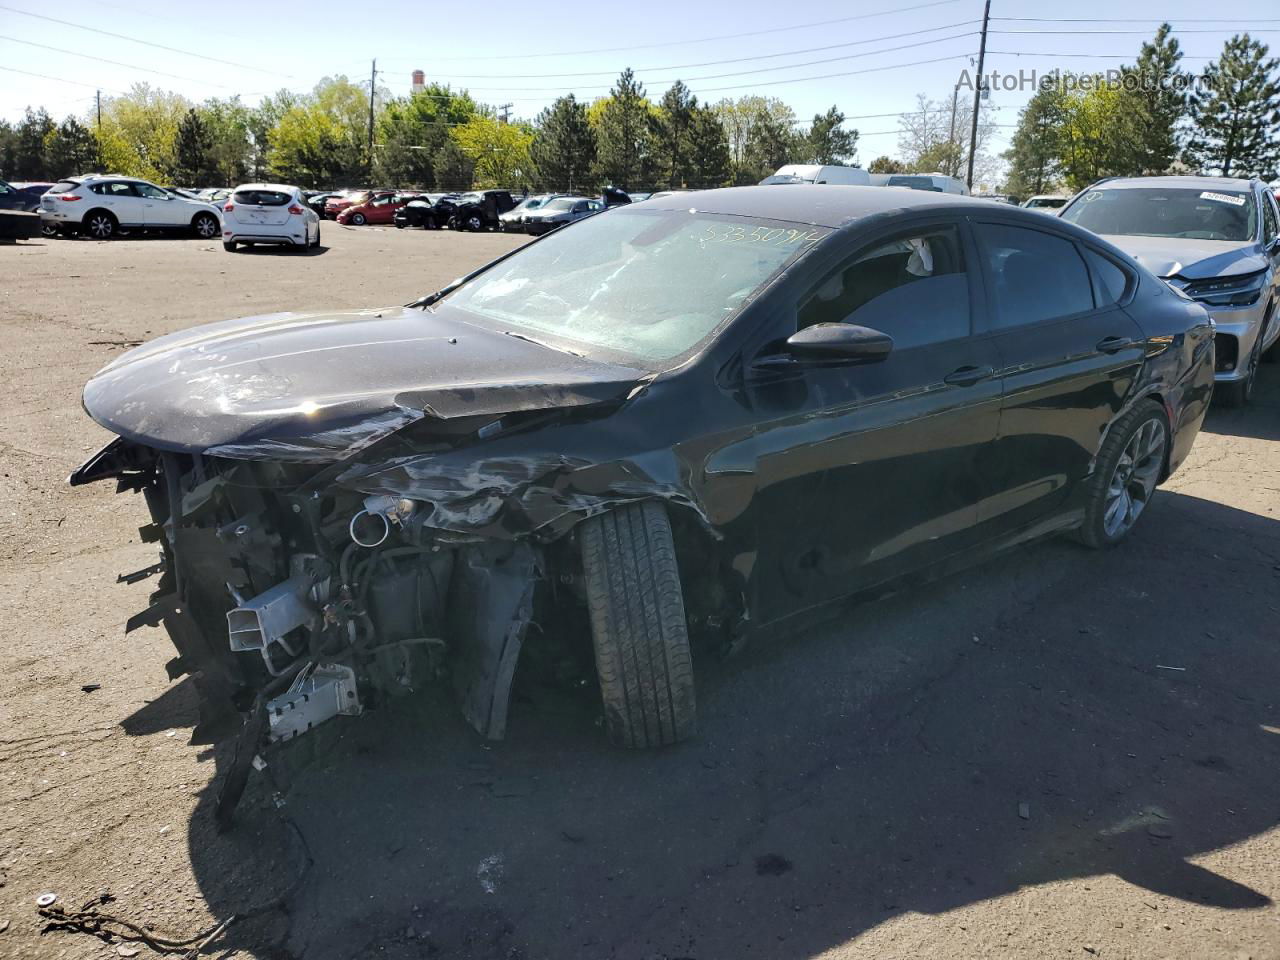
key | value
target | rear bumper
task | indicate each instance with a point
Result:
(243, 236)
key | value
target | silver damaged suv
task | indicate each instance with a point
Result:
(1217, 240)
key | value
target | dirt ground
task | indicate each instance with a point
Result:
(1057, 754)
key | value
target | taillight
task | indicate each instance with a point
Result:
(295, 209)
(69, 197)
(227, 208)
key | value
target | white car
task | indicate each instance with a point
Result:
(937, 182)
(102, 205)
(272, 213)
(1047, 202)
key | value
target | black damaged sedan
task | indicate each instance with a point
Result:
(670, 426)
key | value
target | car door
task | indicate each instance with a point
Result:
(124, 202)
(1271, 249)
(160, 208)
(866, 470)
(1068, 358)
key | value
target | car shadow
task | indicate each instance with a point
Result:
(1248, 422)
(1054, 714)
(278, 250)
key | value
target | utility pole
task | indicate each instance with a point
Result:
(977, 93)
(373, 85)
(97, 135)
(504, 113)
(951, 137)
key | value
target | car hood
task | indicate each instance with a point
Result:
(1192, 259)
(320, 386)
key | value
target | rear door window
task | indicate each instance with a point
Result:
(114, 188)
(1035, 276)
(260, 198)
(914, 287)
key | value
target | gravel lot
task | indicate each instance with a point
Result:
(998, 764)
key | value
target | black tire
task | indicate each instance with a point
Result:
(316, 245)
(49, 230)
(474, 223)
(638, 626)
(1093, 532)
(205, 226)
(229, 246)
(1272, 353)
(1238, 393)
(100, 225)
(357, 219)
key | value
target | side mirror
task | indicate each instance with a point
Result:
(839, 341)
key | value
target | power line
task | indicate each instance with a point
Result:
(1108, 32)
(714, 63)
(145, 43)
(114, 63)
(42, 76)
(830, 76)
(725, 36)
(1169, 20)
(1080, 56)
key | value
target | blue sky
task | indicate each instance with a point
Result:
(529, 53)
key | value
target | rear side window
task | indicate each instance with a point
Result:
(1036, 276)
(914, 288)
(1112, 281)
(113, 189)
(260, 198)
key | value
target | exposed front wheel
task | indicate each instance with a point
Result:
(206, 226)
(638, 627)
(1129, 467)
(357, 220)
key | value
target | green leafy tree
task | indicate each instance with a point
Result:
(499, 152)
(1094, 134)
(30, 160)
(454, 170)
(672, 123)
(708, 150)
(321, 140)
(624, 137)
(885, 164)
(826, 142)
(70, 149)
(8, 150)
(1236, 119)
(564, 146)
(1036, 148)
(412, 130)
(761, 135)
(230, 149)
(260, 121)
(139, 132)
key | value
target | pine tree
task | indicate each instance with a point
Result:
(675, 116)
(1155, 89)
(453, 169)
(826, 142)
(192, 161)
(624, 135)
(71, 149)
(708, 150)
(1035, 150)
(1236, 116)
(564, 146)
(30, 161)
(886, 164)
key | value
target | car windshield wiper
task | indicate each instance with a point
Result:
(543, 343)
(440, 294)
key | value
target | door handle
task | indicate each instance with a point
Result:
(968, 376)
(1114, 344)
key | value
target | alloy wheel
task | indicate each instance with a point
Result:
(101, 226)
(1134, 478)
(206, 227)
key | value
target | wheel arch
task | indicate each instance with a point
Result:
(92, 210)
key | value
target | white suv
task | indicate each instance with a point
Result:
(273, 213)
(102, 205)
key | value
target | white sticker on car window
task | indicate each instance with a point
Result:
(1223, 198)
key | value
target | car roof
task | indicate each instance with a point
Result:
(1185, 182)
(826, 205)
(266, 186)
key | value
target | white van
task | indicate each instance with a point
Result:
(937, 182)
(819, 173)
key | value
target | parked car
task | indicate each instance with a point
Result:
(16, 221)
(742, 404)
(1048, 202)
(1217, 240)
(215, 195)
(22, 196)
(347, 198)
(513, 219)
(379, 207)
(818, 173)
(558, 212)
(103, 205)
(316, 201)
(271, 214)
(934, 182)
(185, 194)
(429, 211)
(481, 210)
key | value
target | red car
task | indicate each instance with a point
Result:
(340, 201)
(379, 207)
